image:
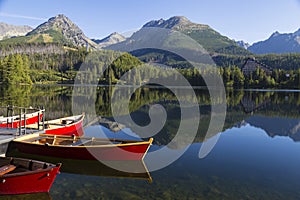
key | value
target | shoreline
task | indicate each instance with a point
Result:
(170, 86)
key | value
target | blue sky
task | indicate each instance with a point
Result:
(249, 20)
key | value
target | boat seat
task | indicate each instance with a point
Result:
(81, 142)
(6, 169)
(55, 124)
(35, 139)
(67, 121)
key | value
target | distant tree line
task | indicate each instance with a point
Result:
(30, 48)
(45, 63)
(27, 63)
(275, 61)
(14, 69)
(278, 78)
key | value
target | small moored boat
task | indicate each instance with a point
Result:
(23, 176)
(82, 148)
(14, 121)
(63, 126)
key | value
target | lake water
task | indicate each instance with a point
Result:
(256, 157)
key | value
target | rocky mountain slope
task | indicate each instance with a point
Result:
(243, 44)
(61, 28)
(113, 38)
(278, 43)
(276, 126)
(8, 31)
(210, 39)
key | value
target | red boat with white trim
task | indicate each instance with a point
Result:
(24, 176)
(14, 121)
(82, 148)
(63, 126)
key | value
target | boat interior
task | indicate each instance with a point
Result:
(10, 165)
(62, 122)
(73, 140)
(57, 123)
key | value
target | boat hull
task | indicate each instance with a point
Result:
(130, 152)
(75, 129)
(37, 181)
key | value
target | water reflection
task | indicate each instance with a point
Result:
(277, 126)
(40, 196)
(240, 106)
(249, 161)
(245, 164)
(252, 103)
(137, 168)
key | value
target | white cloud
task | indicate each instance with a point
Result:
(22, 16)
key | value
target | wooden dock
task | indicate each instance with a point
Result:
(8, 134)
(4, 140)
(14, 119)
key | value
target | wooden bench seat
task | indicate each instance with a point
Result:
(81, 142)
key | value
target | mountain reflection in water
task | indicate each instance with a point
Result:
(249, 161)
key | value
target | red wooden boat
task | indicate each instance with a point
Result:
(14, 121)
(63, 126)
(22, 176)
(81, 148)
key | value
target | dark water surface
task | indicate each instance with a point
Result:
(256, 157)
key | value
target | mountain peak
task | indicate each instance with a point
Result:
(60, 18)
(278, 43)
(110, 40)
(59, 22)
(243, 44)
(297, 33)
(170, 23)
(204, 35)
(115, 34)
(275, 34)
(61, 26)
(178, 23)
(8, 30)
(179, 20)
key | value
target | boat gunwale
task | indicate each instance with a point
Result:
(28, 115)
(77, 121)
(36, 135)
(50, 167)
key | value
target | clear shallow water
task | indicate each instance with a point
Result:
(245, 164)
(256, 157)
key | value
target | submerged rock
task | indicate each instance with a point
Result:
(110, 124)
